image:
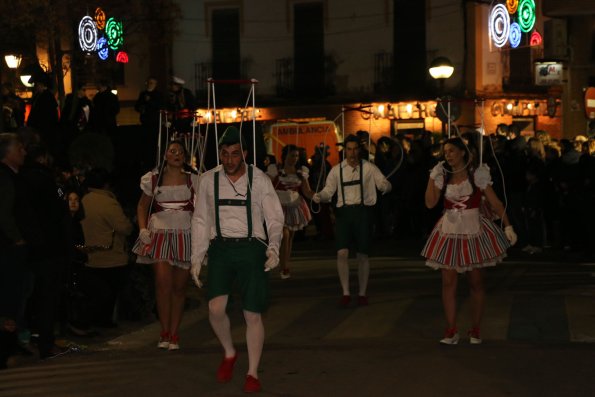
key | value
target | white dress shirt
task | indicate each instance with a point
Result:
(373, 179)
(232, 219)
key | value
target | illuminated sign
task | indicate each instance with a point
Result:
(548, 73)
(512, 22)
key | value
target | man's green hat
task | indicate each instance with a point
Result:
(231, 136)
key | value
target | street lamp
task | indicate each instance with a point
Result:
(441, 69)
(13, 61)
(25, 80)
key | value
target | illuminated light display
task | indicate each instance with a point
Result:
(526, 15)
(100, 18)
(87, 34)
(499, 25)
(511, 6)
(535, 39)
(115, 33)
(515, 35)
(122, 57)
(102, 48)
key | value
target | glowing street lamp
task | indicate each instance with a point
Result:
(25, 80)
(13, 61)
(441, 68)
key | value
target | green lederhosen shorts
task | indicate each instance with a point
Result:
(241, 259)
(354, 223)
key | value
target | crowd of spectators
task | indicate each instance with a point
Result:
(547, 185)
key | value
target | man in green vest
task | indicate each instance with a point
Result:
(234, 202)
(355, 181)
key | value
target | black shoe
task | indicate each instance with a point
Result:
(53, 351)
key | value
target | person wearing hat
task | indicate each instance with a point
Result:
(180, 98)
(234, 202)
(355, 181)
(180, 102)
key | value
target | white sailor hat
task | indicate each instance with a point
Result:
(177, 80)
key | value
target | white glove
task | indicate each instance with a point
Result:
(482, 177)
(272, 260)
(510, 234)
(437, 175)
(195, 272)
(145, 236)
(316, 198)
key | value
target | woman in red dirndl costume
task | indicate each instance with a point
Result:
(291, 184)
(464, 240)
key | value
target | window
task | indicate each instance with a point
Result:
(226, 53)
(309, 59)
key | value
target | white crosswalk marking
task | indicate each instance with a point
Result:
(374, 321)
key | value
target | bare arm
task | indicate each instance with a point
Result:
(306, 190)
(433, 194)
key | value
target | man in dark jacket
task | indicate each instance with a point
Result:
(43, 116)
(48, 254)
(12, 242)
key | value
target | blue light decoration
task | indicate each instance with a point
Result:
(102, 48)
(110, 41)
(515, 35)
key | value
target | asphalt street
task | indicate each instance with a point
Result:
(538, 331)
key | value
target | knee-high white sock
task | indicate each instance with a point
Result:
(363, 273)
(343, 269)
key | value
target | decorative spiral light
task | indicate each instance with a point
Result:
(515, 35)
(115, 33)
(87, 34)
(526, 15)
(102, 48)
(512, 6)
(100, 18)
(499, 25)
(535, 39)
(122, 57)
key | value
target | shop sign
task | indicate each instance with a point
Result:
(590, 102)
(548, 73)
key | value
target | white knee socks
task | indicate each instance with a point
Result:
(363, 273)
(343, 269)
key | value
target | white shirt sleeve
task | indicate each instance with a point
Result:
(146, 183)
(273, 214)
(379, 179)
(330, 187)
(201, 218)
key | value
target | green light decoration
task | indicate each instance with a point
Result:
(115, 34)
(526, 15)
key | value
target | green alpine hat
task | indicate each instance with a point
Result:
(231, 136)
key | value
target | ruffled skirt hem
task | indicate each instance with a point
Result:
(167, 245)
(297, 218)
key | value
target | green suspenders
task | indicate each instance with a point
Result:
(351, 183)
(232, 202)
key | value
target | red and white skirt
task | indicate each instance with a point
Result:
(167, 245)
(298, 217)
(464, 252)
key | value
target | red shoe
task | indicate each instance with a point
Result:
(362, 300)
(225, 370)
(252, 384)
(345, 300)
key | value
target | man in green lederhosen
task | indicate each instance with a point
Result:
(355, 181)
(234, 202)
